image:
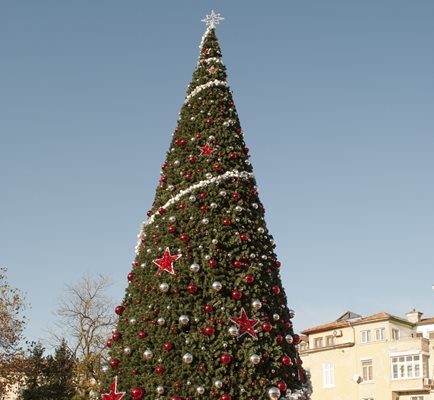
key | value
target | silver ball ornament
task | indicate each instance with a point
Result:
(164, 287)
(127, 351)
(223, 193)
(217, 286)
(205, 221)
(187, 358)
(233, 330)
(194, 267)
(159, 389)
(200, 390)
(133, 321)
(274, 392)
(218, 384)
(255, 359)
(192, 198)
(289, 339)
(291, 313)
(172, 218)
(276, 317)
(184, 320)
(147, 354)
(161, 321)
(257, 304)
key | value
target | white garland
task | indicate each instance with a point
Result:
(209, 60)
(207, 85)
(182, 193)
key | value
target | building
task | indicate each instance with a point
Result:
(378, 357)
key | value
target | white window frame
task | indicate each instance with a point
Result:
(396, 334)
(407, 366)
(380, 334)
(417, 397)
(365, 336)
(318, 342)
(330, 340)
(366, 365)
(328, 375)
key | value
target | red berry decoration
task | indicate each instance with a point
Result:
(168, 346)
(114, 363)
(286, 361)
(236, 294)
(185, 238)
(266, 326)
(282, 386)
(131, 276)
(159, 370)
(137, 393)
(192, 288)
(119, 310)
(225, 358)
(141, 334)
(249, 278)
(275, 289)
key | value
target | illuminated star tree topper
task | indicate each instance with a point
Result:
(213, 19)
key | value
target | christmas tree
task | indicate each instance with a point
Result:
(205, 314)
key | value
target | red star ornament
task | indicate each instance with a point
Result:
(246, 325)
(206, 150)
(166, 262)
(113, 395)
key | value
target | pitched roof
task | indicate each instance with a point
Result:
(426, 321)
(342, 323)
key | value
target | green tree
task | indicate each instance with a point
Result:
(205, 314)
(49, 377)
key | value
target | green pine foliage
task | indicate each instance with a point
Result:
(179, 335)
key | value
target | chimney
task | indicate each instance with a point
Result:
(414, 316)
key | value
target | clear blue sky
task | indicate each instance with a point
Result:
(337, 102)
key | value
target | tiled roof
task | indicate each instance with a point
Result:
(424, 321)
(346, 323)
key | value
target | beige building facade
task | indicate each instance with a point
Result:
(378, 357)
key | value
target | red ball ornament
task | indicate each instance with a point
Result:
(168, 346)
(279, 338)
(237, 264)
(131, 276)
(209, 121)
(141, 334)
(209, 330)
(225, 358)
(203, 195)
(149, 213)
(182, 206)
(192, 288)
(233, 156)
(109, 342)
(119, 310)
(116, 336)
(185, 238)
(175, 398)
(217, 167)
(236, 295)
(137, 393)
(249, 278)
(192, 159)
(172, 229)
(278, 264)
(208, 308)
(282, 386)
(244, 236)
(114, 363)
(236, 196)
(225, 396)
(226, 222)
(159, 370)
(275, 289)
(212, 263)
(286, 361)
(296, 338)
(266, 326)
(203, 208)
(161, 210)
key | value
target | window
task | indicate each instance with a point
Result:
(367, 372)
(379, 334)
(404, 367)
(417, 397)
(395, 334)
(365, 336)
(330, 340)
(368, 398)
(318, 342)
(328, 375)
